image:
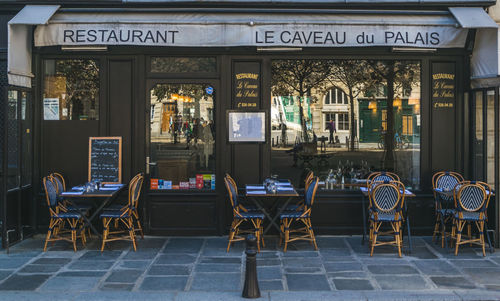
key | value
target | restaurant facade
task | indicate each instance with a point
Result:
(200, 89)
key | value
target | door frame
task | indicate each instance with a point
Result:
(219, 119)
(20, 189)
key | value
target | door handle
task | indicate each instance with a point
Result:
(148, 164)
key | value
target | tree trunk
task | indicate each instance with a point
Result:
(351, 130)
(388, 157)
(302, 120)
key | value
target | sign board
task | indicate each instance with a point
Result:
(246, 83)
(287, 34)
(443, 85)
(51, 109)
(105, 159)
(246, 126)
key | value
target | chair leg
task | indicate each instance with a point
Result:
(436, 228)
(73, 224)
(480, 227)
(52, 224)
(460, 226)
(397, 236)
(376, 226)
(105, 231)
(308, 224)
(231, 235)
(469, 232)
(139, 227)
(131, 232)
(287, 223)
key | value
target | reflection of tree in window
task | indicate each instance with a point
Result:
(76, 84)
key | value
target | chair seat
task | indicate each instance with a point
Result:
(293, 214)
(115, 207)
(292, 207)
(250, 207)
(385, 217)
(84, 208)
(68, 214)
(113, 214)
(245, 215)
(470, 216)
(445, 212)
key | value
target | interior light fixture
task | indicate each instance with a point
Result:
(84, 48)
(413, 49)
(278, 49)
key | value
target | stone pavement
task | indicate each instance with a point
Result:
(182, 268)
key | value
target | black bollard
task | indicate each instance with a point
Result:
(251, 287)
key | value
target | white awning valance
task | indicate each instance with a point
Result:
(205, 29)
(20, 42)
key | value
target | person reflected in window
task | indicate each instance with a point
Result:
(207, 138)
(330, 126)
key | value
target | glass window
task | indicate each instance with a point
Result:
(12, 140)
(343, 119)
(478, 137)
(386, 131)
(27, 142)
(71, 90)
(182, 133)
(490, 132)
(183, 64)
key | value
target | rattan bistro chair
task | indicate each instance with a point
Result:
(300, 205)
(59, 217)
(471, 202)
(241, 215)
(381, 176)
(64, 205)
(303, 216)
(122, 217)
(387, 199)
(135, 214)
(372, 180)
(444, 205)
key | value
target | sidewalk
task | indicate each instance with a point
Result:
(199, 268)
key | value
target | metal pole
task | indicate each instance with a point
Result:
(251, 287)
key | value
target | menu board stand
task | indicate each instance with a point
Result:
(105, 160)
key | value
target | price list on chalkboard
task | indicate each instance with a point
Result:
(246, 85)
(443, 86)
(105, 159)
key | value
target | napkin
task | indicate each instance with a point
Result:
(71, 192)
(108, 188)
(255, 186)
(256, 192)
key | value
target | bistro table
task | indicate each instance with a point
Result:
(365, 192)
(258, 194)
(449, 194)
(100, 199)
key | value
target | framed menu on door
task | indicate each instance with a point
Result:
(105, 159)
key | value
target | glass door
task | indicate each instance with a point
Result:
(181, 136)
(16, 161)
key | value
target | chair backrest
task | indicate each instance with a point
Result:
(472, 196)
(381, 176)
(446, 180)
(387, 196)
(50, 192)
(232, 190)
(135, 187)
(311, 192)
(309, 177)
(59, 182)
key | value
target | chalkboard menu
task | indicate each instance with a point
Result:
(246, 85)
(443, 85)
(105, 159)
